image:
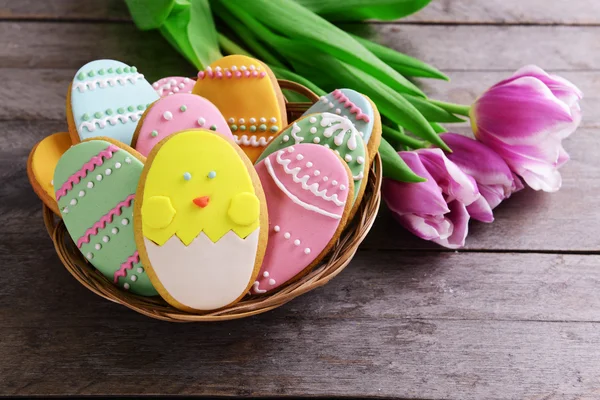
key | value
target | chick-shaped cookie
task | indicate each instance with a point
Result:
(201, 220)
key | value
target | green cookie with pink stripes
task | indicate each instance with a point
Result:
(95, 183)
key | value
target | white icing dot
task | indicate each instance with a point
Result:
(81, 193)
(273, 120)
(105, 239)
(263, 120)
(65, 210)
(290, 149)
(133, 278)
(108, 171)
(168, 115)
(231, 121)
(201, 121)
(124, 221)
(118, 165)
(313, 130)
(98, 246)
(342, 187)
(316, 140)
(52, 182)
(234, 68)
(73, 202)
(186, 80)
(326, 145)
(90, 185)
(338, 111)
(348, 158)
(252, 67)
(287, 235)
(243, 68)
(324, 99)
(181, 85)
(128, 160)
(140, 270)
(307, 251)
(312, 120)
(286, 138)
(317, 172)
(89, 256)
(299, 157)
(175, 89)
(331, 105)
(276, 228)
(309, 164)
(272, 281)
(98, 177)
(242, 121)
(336, 152)
(114, 231)
(218, 68)
(266, 274)
(325, 179)
(360, 160)
(252, 120)
(361, 134)
(126, 286)
(334, 183)
(155, 85)
(297, 242)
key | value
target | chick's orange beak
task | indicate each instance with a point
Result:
(201, 201)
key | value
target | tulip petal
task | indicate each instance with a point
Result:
(459, 218)
(481, 210)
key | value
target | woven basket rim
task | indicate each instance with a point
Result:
(155, 307)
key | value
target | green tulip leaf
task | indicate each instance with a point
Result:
(394, 166)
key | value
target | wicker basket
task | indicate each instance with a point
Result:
(339, 257)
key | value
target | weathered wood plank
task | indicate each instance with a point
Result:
(450, 48)
(584, 12)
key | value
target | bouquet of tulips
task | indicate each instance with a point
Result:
(435, 180)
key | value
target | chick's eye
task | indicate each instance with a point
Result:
(212, 175)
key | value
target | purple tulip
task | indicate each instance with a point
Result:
(440, 208)
(495, 181)
(524, 119)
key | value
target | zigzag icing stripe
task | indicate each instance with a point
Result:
(124, 118)
(336, 123)
(106, 219)
(313, 188)
(104, 82)
(89, 166)
(253, 140)
(294, 133)
(354, 109)
(295, 199)
(128, 264)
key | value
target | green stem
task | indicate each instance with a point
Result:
(452, 107)
(403, 138)
(230, 47)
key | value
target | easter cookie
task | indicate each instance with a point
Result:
(107, 98)
(358, 108)
(41, 164)
(201, 220)
(95, 183)
(176, 113)
(309, 192)
(331, 131)
(173, 84)
(248, 95)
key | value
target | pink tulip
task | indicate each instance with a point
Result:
(440, 208)
(495, 181)
(524, 119)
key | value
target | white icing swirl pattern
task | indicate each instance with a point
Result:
(101, 122)
(336, 123)
(104, 82)
(253, 140)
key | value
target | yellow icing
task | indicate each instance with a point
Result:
(46, 156)
(194, 154)
(158, 212)
(244, 208)
(244, 98)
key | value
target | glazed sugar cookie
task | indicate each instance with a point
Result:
(107, 98)
(331, 131)
(41, 164)
(201, 220)
(358, 108)
(95, 183)
(248, 95)
(173, 84)
(177, 113)
(309, 194)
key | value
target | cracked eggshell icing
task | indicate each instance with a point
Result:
(309, 193)
(41, 165)
(201, 220)
(107, 98)
(176, 113)
(249, 97)
(95, 183)
(333, 132)
(172, 85)
(358, 108)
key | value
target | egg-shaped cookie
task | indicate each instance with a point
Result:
(333, 132)
(95, 183)
(176, 113)
(107, 98)
(41, 164)
(173, 84)
(201, 220)
(247, 93)
(309, 191)
(358, 108)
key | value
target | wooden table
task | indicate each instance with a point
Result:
(514, 315)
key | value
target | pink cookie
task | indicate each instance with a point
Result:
(173, 84)
(307, 187)
(176, 113)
